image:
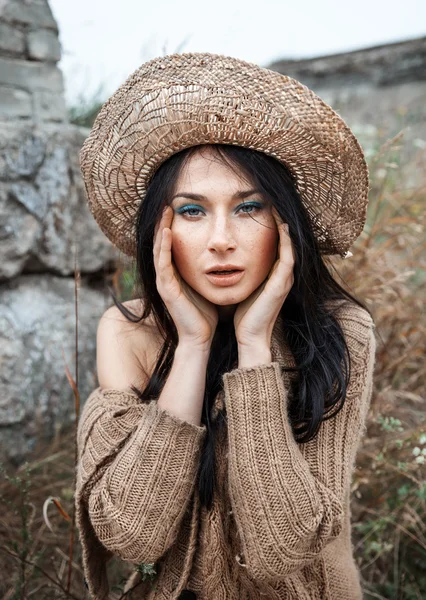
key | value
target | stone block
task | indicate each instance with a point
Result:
(39, 166)
(37, 324)
(44, 45)
(15, 104)
(49, 106)
(35, 15)
(12, 41)
(27, 196)
(19, 232)
(68, 221)
(30, 76)
(22, 151)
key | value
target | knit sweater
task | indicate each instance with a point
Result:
(280, 525)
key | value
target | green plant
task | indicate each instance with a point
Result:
(86, 108)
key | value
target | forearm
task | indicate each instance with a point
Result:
(288, 499)
(137, 506)
(283, 513)
(136, 472)
(183, 393)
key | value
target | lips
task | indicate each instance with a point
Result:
(224, 269)
(225, 279)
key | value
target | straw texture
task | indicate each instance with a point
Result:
(280, 524)
(182, 100)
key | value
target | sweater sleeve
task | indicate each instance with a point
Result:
(288, 498)
(136, 471)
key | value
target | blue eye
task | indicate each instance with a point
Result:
(189, 209)
(254, 205)
(185, 210)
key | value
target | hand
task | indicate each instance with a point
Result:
(255, 317)
(195, 317)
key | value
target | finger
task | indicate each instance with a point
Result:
(158, 235)
(165, 257)
(283, 228)
(158, 227)
(286, 251)
(281, 272)
(157, 244)
(168, 216)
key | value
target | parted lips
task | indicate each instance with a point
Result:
(182, 100)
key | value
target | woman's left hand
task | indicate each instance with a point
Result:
(255, 317)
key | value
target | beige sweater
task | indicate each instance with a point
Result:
(280, 527)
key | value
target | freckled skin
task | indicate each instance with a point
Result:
(219, 232)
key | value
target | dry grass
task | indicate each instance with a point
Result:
(386, 271)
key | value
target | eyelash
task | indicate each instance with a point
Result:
(185, 210)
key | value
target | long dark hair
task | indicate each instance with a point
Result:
(311, 331)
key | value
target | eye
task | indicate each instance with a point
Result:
(247, 208)
(188, 210)
(254, 206)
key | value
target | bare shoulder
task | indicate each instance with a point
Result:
(144, 336)
(125, 351)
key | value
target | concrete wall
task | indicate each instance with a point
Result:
(379, 92)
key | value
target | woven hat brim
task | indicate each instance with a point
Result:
(183, 100)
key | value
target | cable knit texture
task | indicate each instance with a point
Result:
(280, 524)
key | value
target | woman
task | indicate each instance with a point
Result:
(220, 444)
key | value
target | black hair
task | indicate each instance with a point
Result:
(308, 326)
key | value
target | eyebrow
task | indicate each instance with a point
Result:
(238, 196)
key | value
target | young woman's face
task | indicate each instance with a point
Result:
(220, 225)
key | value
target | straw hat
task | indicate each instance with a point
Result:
(182, 100)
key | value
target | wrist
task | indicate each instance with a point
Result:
(253, 355)
(187, 349)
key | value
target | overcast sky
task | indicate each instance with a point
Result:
(103, 41)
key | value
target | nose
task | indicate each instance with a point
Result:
(222, 235)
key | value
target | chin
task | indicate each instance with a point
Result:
(225, 302)
(225, 297)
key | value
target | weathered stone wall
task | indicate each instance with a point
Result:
(37, 342)
(44, 220)
(31, 85)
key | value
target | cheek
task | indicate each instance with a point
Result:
(182, 251)
(179, 249)
(265, 250)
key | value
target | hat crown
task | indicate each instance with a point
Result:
(173, 102)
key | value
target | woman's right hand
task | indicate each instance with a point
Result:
(195, 317)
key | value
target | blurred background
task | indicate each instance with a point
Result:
(59, 61)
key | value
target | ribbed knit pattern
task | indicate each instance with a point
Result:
(280, 525)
